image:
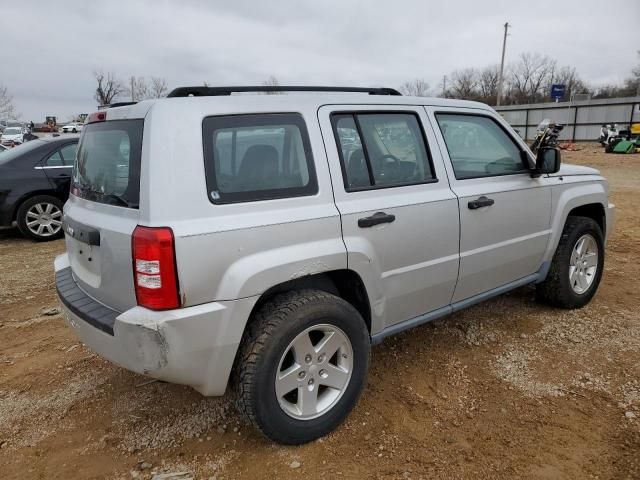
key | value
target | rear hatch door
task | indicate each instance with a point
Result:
(102, 211)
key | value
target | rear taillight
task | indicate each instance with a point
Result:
(154, 268)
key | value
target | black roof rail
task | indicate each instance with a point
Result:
(202, 91)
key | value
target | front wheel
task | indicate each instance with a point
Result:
(576, 268)
(302, 365)
(40, 218)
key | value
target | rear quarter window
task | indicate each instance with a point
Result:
(257, 157)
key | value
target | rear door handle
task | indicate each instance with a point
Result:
(375, 219)
(480, 202)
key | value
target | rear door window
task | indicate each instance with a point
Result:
(257, 157)
(107, 169)
(63, 157)
(68, 153)
(381, 150)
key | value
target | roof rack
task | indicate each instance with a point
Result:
(225, 91)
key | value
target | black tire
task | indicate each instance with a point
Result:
(74, 130)
(270, 332)
(21, 217)
(556, 290)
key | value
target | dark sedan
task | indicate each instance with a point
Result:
(34, 184)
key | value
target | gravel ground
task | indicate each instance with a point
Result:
(507, 389)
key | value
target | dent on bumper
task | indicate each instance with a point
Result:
(194, 346)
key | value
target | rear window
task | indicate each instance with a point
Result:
(107, 168)
(257, 157)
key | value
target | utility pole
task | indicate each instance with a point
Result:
(444, 86)
(501, 76)
(133, 87)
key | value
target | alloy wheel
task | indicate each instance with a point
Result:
(314, 372)
(583, 264)
(44, 219)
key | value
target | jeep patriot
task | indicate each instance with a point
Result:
(272, 239)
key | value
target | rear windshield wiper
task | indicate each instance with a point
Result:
(110, 198)
(117, 200)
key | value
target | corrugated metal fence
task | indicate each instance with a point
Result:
(582, 119)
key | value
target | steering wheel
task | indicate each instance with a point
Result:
(498, 166)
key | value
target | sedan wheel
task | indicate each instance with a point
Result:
(44, 219)
(40, 218)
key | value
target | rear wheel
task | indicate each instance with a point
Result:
(40, 218)
(302, 365)
(576, 268)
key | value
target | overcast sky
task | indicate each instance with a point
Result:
(50, 48)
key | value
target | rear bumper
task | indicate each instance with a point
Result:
(193, 346)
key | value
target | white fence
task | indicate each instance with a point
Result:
(582, 119)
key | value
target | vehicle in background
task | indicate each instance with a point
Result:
(12, 135)
(73, 127)
(34, 184)
(44, 128)
(546, 135)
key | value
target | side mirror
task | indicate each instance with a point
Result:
(547, 160)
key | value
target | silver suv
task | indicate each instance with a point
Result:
(279, 236)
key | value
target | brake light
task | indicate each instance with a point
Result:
(96, 117)
(154, 268)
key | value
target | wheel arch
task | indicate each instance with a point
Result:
(587, 199)
(594, 211)
(344, 283)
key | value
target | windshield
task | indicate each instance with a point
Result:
(12, 131)
(107, 169)
(16, 152)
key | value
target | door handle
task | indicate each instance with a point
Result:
(480, 202)
(375, 219)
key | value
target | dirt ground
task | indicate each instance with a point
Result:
(507, 389)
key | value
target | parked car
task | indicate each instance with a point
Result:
(34, 184)
(73, 127)
(280, 236)
(12, 135)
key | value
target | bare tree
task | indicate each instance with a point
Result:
(632, 84)
(7, 109)
(488, 84)
(463, 84)
(271, 81)
(530, 77)
(158, 87)
(415, 88)
(108, 88)
(137, 89)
